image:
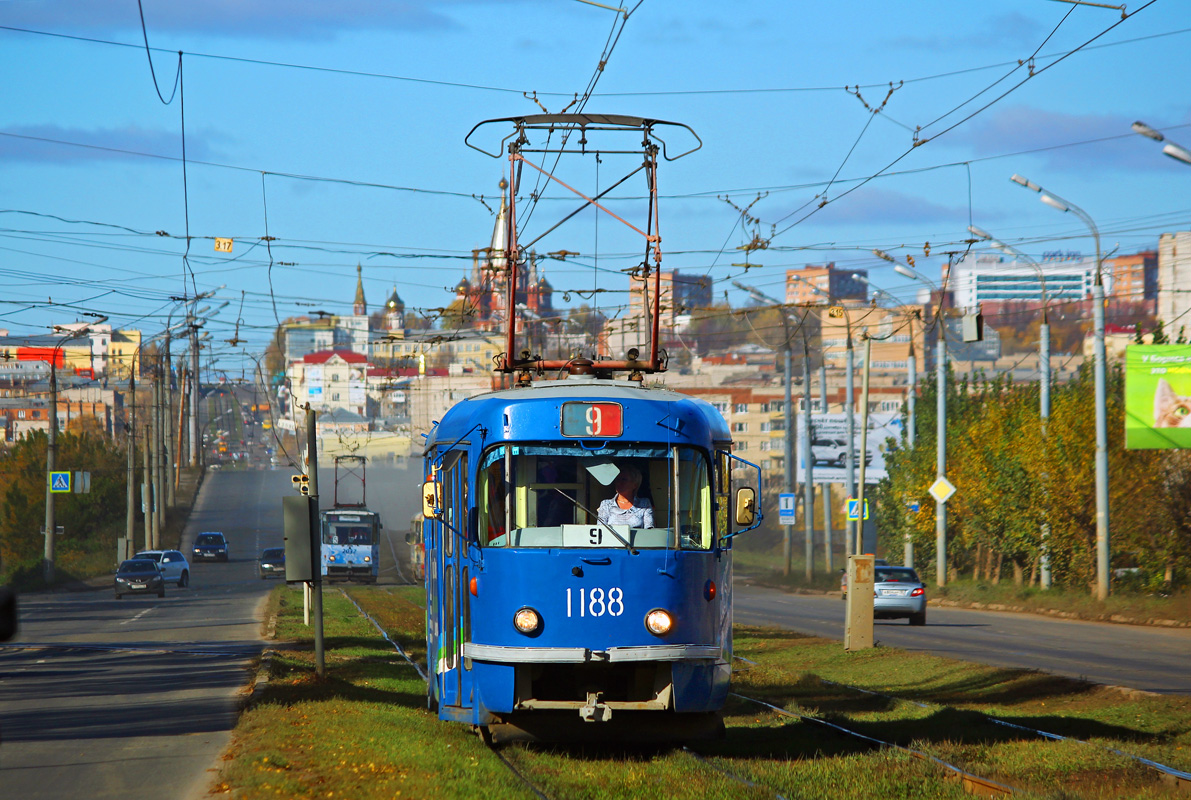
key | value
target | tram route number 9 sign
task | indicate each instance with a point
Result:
(592, 419)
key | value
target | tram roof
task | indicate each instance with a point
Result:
(487, 409)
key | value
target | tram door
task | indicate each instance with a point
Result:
(452, 552)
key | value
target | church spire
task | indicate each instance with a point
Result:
(359, 307)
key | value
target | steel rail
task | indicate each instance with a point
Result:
(971, 782)
(386, 636)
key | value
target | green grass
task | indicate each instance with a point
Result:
(364, 731)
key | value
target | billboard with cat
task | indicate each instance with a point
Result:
(1157, 396)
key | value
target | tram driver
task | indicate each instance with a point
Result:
(626, 507)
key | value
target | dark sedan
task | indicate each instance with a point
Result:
(210, 545)
(272, 562)
(139, 576)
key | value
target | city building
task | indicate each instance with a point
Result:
(1174, 279)
(984, 280)
(330, 379)
(836, 284)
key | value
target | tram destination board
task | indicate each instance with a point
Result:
(592, 419)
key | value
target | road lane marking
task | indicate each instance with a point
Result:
(138, 616)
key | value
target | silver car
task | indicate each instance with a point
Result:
(174, 566)
(897, 592)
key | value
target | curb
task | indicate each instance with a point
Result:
(1119, 619)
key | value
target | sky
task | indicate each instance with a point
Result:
(322, 136)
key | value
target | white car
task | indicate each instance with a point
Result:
(174, 565)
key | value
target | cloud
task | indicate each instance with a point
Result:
(55, 144)
(872, 205)
(999, 32)
(1021, 128)
(259, 19)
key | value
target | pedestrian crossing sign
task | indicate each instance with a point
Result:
(853, 509)
(59, 481)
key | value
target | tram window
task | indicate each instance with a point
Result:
(695, 530)
(454, 499)
(555, 496)
(492, 496)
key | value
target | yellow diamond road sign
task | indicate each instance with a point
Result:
(941, 490)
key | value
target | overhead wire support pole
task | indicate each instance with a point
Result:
(1099, 368)
(316, 575)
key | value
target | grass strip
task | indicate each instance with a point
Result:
(365, 732)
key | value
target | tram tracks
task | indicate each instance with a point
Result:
(972, 783)
(1168, 774)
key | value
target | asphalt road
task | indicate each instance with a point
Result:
(1138, 657)
(106, 698)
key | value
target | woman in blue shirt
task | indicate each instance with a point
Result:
(625, 507)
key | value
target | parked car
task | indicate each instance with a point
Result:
(174, 565)
(139, 576)
(835, 451)
(897, 593)
(211, 545)
(843, 578)
(272, 562)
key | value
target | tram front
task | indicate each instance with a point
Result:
(595, 583)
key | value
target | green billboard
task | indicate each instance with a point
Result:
(1157, 396)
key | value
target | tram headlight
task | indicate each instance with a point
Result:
(659, 622)
(527, 620)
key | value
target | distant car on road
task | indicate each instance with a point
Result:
(211, 546)
(139, 576)
(174, 565)
(272, 562)
(897, 593)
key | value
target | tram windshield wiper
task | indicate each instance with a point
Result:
(599, 521)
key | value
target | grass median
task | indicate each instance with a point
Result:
(364, 731)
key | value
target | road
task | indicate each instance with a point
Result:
(137, 697)
(1150, 659)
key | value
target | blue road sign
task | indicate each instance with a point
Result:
(786, 510)
(853, 509)
(59, 481)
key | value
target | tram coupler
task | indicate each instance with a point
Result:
(595, 710)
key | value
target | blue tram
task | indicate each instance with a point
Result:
(350, 544)
(544, 611)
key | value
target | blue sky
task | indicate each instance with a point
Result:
(382, 93)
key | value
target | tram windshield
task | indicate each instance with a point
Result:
(549, 496)
(347, 533)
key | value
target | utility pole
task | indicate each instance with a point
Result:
(850, 454)
(167, 411)
(195, 445)
(147, 471)
(808, 482)
(826, 487)
(158, 458)
(320, 665)
(130, 441)
(51, 463)
(911, 399)
(788, 442)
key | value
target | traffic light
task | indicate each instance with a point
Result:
(301, 483)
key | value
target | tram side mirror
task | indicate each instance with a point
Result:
(746, 506)
(409, 538)
(8, 614)
(431, 498)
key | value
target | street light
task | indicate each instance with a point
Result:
(1043, 369)
(940, 413)
(1175, 151)
(1102, 531)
